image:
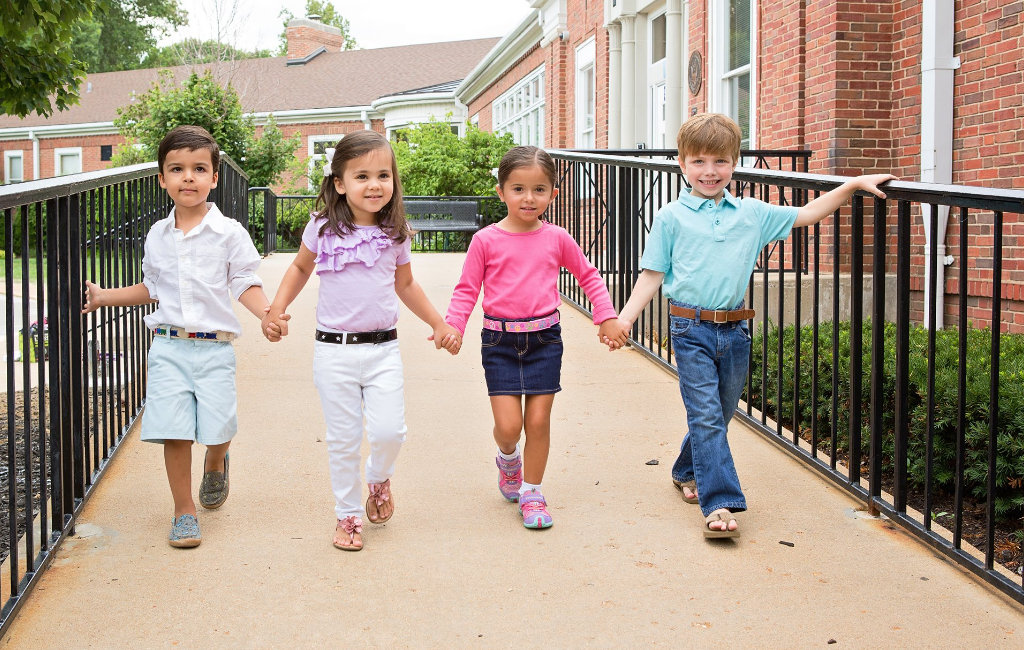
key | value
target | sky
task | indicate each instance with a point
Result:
(373, 23)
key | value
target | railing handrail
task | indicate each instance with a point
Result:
(967, 196)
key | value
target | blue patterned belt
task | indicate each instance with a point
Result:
(178, 333)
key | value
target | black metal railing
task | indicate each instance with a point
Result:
(277, 220)
(73, 386)
(861, 397)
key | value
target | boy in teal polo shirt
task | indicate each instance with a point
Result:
(702, 248)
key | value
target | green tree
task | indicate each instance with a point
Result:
(121, 33)
(434, 161)
(38, 68)
(194, 51)
(328, 16)
(203, 102)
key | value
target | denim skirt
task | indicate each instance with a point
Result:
(522, 363)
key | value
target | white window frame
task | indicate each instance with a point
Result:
(657, 87)
(8, 156)
(718, 86)
(317, 158)
(586, 65)
(520, 110)
(58, 169)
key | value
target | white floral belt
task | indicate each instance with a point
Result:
(528, 325)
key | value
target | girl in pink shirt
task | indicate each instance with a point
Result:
(517, 261)
(359, 245)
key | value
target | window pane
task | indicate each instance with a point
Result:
(70, 163)
(739, 33)
(739, 92)
(15, 172)
(658, 39)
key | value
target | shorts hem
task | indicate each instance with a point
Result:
(162, 438)
(525, 392)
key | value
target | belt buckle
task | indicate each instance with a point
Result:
(725, 317)
(380, 337)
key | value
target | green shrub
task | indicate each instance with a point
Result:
(1010, 414)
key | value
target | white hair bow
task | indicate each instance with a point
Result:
(328, 157)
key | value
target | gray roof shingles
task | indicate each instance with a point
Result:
(330, 80)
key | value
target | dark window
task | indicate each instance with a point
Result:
(106, 151)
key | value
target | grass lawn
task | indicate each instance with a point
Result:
(32, 270)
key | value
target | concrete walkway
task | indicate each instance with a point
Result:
(625, 565)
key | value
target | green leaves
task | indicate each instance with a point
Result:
(38, 71)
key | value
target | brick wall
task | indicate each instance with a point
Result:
(304, 39)
(90, 152)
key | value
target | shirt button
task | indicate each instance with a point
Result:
(718, 222)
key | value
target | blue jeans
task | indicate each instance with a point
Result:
(712, 361)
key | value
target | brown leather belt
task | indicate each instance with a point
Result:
(719, 316)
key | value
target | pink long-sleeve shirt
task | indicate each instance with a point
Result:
(519, 274)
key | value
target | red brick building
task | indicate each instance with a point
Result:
(317, 90)
(930, 90)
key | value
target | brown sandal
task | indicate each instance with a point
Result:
(350, 526)
(380, 493)
(692, 485)
(719, 515)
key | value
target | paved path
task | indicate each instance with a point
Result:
(625, 565)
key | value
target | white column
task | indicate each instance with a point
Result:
(614, 86)
(628, 133)
(674, 38)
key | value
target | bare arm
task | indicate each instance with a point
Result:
(643, 292)
(828, 203)
(96, 297)
(255, 301)
(294, 279)
(412, 296)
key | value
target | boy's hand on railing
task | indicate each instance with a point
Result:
(93, 297)
(870, 183)
(613, 333)
(447, 337)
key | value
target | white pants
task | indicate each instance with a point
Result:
(358, 380)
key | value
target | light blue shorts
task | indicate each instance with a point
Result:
(190, 392)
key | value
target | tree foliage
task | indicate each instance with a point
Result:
(202, 101)
(38, 68)
(434, 161)
(328, 16)
(192, 51)
(122, 33)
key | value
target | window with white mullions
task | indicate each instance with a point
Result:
(586, 96)
(734, 33)
(520, 110)
(14, 167)
(656, 69)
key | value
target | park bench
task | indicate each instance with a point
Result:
(450, 223)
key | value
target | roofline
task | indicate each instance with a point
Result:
(58, 130)
(512, 46)
(393, 101)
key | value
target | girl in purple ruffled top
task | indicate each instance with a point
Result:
(359, 245)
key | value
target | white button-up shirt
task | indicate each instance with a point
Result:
(194, 275)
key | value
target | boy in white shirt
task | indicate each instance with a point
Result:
(195, 260)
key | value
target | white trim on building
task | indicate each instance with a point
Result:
(9, 157)
(67, 160)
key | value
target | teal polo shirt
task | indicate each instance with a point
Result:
(707, 252)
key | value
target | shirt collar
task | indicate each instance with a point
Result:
(695, 202)
(213, 219)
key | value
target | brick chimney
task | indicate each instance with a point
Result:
(305, 35)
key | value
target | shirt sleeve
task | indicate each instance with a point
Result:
(658, 252)
(776, 220)
(150, 271)
(467, 291)
(243, 261)
(310, 234)
(404, 251)
(588, 277)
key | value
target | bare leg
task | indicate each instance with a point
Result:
(508, 421)
(538, 437)
(215, 457)
(178, 460)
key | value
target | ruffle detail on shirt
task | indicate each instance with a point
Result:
(363, 246)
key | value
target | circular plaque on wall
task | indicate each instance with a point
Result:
(694, 73)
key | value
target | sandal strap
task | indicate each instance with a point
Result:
(380, 492)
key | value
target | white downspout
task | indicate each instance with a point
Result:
(614, 86)
(35, 154)
(937, 66)
(674, 68)
(627, 132)
(366, 121)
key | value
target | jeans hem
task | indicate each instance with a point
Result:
(734, 506)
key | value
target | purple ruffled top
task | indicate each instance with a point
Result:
(362, 245)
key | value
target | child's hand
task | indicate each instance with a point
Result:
(93, 297)
(613, 333)
(274, 328)
(447, 337)
(870, 183)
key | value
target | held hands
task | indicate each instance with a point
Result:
(274, 328)
(614, 333)
(870, 183)
(447, 337)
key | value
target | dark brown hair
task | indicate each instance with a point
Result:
(334, 207)
(519, 157)
(191, 138)
(709, 134)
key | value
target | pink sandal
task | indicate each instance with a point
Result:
(380, 493)
(351, 526)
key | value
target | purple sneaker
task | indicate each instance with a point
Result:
(510, 477)
(534, 510)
